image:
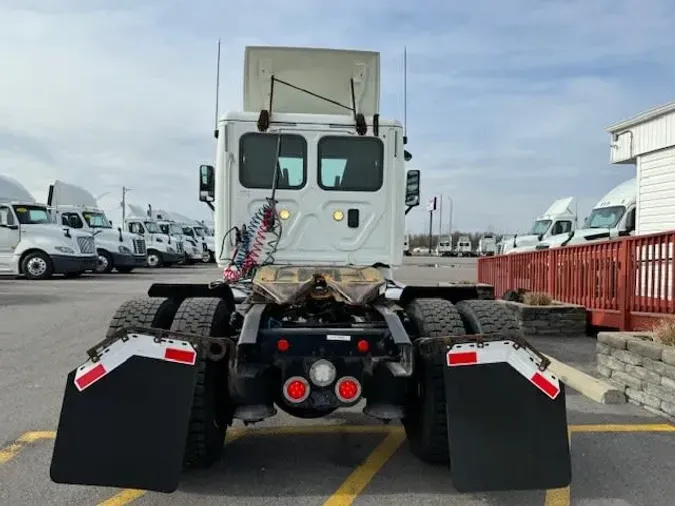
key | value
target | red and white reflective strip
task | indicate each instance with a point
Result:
(138, 345)
(494, 352)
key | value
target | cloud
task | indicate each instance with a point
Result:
(507, 101)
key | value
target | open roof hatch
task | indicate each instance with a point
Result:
(312, 81)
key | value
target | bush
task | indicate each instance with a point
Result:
(664, 332)
(537, 299)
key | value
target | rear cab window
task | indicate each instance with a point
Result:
(350, 163)
(257, 154)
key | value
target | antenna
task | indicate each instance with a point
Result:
(405, 95)
(215, 126)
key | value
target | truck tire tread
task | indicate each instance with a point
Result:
(143, 312)
(427, 430)
(205, 438)
(482, 316)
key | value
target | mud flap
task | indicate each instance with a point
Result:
(505, 433)
(127, 427)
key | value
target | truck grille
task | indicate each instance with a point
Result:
(86, 245)
(139, 247)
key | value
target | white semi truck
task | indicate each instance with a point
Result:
(558, 221)
(487, 245)
(310, 191)
(192, 250)
(444, 248)
(612, 217)
(162, 251)
(32, 245)
(198, 234)
(464, 247)
(75, 207)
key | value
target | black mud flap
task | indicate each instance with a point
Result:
(127, 429)
(503, 432)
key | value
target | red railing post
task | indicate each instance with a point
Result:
(623, 273)
(509, 273)
(551, 262)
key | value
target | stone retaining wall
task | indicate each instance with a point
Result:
(556, 319)
(643, 369)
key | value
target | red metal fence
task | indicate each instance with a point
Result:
(625, 284)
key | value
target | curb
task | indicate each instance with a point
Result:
(588, 386)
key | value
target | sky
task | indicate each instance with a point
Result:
(507, 104)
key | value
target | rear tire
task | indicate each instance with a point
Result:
(426, 425)
(143, 312)
(482, 316)
(211, 411)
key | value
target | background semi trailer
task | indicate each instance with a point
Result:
(308, 317)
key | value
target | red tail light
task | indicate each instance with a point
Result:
(296, 389)
(348, 389)
(283, 345)
(362, 346)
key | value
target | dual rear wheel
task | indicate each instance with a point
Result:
(426, 425)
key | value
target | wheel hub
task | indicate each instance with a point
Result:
(36, 266)
(101, 264)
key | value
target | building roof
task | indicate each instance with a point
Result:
(643, 117)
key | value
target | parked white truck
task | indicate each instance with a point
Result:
(444, 248)
(487, 245)
(191, 249)
(197, 232)
(162, 252)
(32, 245)
(612, 217)
(558, 221)
(464, 247)
(75, 207)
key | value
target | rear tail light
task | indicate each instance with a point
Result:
(296, 389)
(362, 346)
(348, 389)
(283, 345)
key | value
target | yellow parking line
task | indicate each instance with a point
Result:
(560, 496)
(129, 495)
(12, 450)
(646, 427)
(364, 473)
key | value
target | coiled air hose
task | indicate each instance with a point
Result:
(257, 237)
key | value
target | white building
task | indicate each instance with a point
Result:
(648, 141)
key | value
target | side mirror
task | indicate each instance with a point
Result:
(406, 155)
(412, 189)
(630, 221)
(206, 183)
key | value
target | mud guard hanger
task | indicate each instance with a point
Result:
(359, 118)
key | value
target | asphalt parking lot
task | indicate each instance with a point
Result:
(622, 455)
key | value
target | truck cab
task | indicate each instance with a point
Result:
(445, 248)
(162, 252)
(32, 245)
(612, 217)
(464, 246)
(75, 207)
(184, 244)
(487, 245)
(557, 222)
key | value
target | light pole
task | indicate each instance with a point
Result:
(125, 190)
